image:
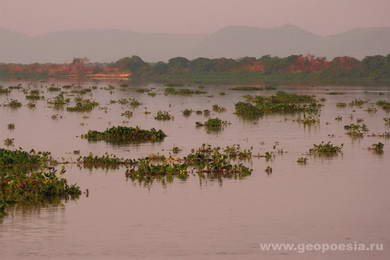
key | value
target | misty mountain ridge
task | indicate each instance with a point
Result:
(231, 42)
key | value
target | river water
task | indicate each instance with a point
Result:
(345, 199)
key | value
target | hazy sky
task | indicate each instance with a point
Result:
(191, 16)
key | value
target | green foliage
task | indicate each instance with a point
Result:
(14, 104)
(356, 130)
(183, 92)
(385, 105)
(248, 111)
(163, 116)
(326, 149)
(218, 109)
(105, 161)
(125, 135)
(187, 112)
(83, 105)
(377, 148)
(25, 177)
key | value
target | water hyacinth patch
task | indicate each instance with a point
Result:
(206, 161)
(26, 177)
(163, 116)
(125, 135)
(356, 130)
(326, 149)
(281, 102)
(83, 105)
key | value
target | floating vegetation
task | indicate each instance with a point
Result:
(326, 149)
(34, 95)
(356, 130)
(182, 92)
(14, 104)
(59, 101)
(371, 110)
(125, 135)
(281, 102)
(105, 161)
(4, 91)
(387, 121)
(53, 89)
(135, 103)
(82, 105)
(341, 105)
(127, 114)
(206, 162)
(248, 111)
(187, 112)
(11, 126)
(335, 93)
(163, 116)
(377, 148)
(358, 102)
(9, 141)
(382, 135)
(309, 120)
(385, 105)
(26, 177)
(268, 170)
(302, 160)
(174, 84)
(338, 118)
(81, 91)
(247, 88)
(152, 94)
(218, 109)
(176, 150)
(213, 124)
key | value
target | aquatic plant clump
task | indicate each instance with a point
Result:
(248, 111)
(206, 161)
(83, 105)
(356, 130)
(105, 161)
(163, 116)
(377, 148)
(281, 102)
(213, 124)
(14, 104)
(26, 177)
(326, 149)
(385, 105)
(125, 135)
(182, 92)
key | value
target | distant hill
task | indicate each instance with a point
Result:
(232, 41)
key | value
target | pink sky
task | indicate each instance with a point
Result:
(195, 16)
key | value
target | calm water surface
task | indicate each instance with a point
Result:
(343, 199)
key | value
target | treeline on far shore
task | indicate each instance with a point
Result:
(294, 69)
